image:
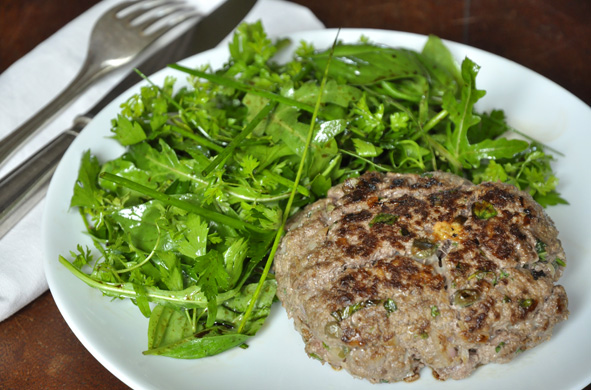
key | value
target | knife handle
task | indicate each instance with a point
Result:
(27, 184)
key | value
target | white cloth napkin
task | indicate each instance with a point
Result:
(35, 79)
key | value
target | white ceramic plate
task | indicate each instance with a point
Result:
(116, 333)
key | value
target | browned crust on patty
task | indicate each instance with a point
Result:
(394, 272)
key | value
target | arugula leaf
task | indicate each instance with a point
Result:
(167, 326)
(366, 149)
(441, 64)
(461, 113)
(372, 63)
(196, 347)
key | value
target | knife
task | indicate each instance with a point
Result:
(27, 184)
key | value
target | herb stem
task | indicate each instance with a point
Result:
(443, 152)
(431, 124)
(392, 92)
(191, 297)
(238, 140)
(377, 166)
(138, 265)
(200, 140)
(226, 82)
(167, 199)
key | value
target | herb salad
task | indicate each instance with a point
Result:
(186, 220)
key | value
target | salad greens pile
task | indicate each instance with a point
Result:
(186, 221)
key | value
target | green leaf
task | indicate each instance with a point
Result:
(167, 325)
(493, 172)
(493, 149)
(127, 132)
(234, 258)
(126, 169)
(81, 257)
(551, 198)
(441, 64)
(86, 191)
(328, 130)
(369, 123)
(238, 305)
(196, 347)
(251, 44)
(491, 126)
(320, 185)
(162, 164)
(139, 224)
(195, 232)
(213, 278)
(366, 149)
(462, 115)
(170, 269)
(408, 155)
(360, 64)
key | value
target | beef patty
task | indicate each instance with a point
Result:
(394, 272)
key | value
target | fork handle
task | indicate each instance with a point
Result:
(27, 184)
(86, 76)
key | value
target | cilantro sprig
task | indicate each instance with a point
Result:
(187, 220)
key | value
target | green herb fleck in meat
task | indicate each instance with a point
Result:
(387, 219)
(484, 210)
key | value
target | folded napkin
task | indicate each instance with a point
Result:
(35, 79)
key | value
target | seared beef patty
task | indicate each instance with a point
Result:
(391, 273)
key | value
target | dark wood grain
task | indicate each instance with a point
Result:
(39, 351)
(37, 348)
(25, 24)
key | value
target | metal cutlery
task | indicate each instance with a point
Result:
(118, 37)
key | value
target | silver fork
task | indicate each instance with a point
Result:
(118, 37)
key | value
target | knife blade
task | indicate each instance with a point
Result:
(27, 184)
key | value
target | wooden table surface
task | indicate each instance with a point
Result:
(553, 38)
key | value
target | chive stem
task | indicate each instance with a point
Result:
(227, 82)
(238, 140)
(167, 199)
(292, 195)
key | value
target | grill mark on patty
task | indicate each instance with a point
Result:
(360, 216)
(398, 182)
(367, 241)
(365, 186)
(408, 206)
(425, 183)
(496, 195)
(399, 273)
(495, 238)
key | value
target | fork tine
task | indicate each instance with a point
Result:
(120, 7)
(163, 14)
(174, 22)
(143, 10)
